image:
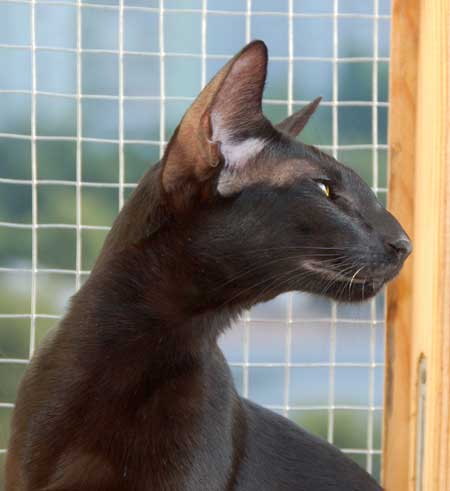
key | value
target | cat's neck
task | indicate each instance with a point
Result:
(139, 309)
(149, 295)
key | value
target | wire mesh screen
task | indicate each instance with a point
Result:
(90, 94)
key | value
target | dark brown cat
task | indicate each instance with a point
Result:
(131, 392)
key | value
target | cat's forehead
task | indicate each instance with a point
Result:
(275, 174)
(280, 166)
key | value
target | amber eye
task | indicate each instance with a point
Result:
(325, 188)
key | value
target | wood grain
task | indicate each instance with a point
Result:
(418, 322)
(430, 326)
(402, 137)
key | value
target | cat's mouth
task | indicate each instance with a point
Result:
(346, 286)
(331, 274)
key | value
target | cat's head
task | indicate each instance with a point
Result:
(262, 213)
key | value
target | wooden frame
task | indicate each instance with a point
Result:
(416, 453)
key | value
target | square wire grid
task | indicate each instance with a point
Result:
(91, 94)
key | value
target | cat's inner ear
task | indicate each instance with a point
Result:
(294, 124)
(236, 114)
(223, 127)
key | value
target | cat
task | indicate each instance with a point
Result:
(130, 391)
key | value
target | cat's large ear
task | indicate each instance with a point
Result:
(295, 123)
(221, 128)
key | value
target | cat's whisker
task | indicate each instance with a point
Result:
(265, 263)
(263, 249)
(351, 281)
(251, 270)
(336, 268)
(293, 275)
(336, 278)
(272, 278)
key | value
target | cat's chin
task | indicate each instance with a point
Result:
(355, 293)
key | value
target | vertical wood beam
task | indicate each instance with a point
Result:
(402, 137)
(418, 316)
(430, 298)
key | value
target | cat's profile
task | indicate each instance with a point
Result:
(131, 392)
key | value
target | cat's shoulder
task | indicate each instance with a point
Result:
(281, 455)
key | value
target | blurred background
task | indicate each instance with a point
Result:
(101, 102)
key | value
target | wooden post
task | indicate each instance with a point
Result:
(402, 130)
(417, 398)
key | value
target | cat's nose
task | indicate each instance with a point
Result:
(402, 246)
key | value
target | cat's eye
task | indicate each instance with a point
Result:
(325, 188)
